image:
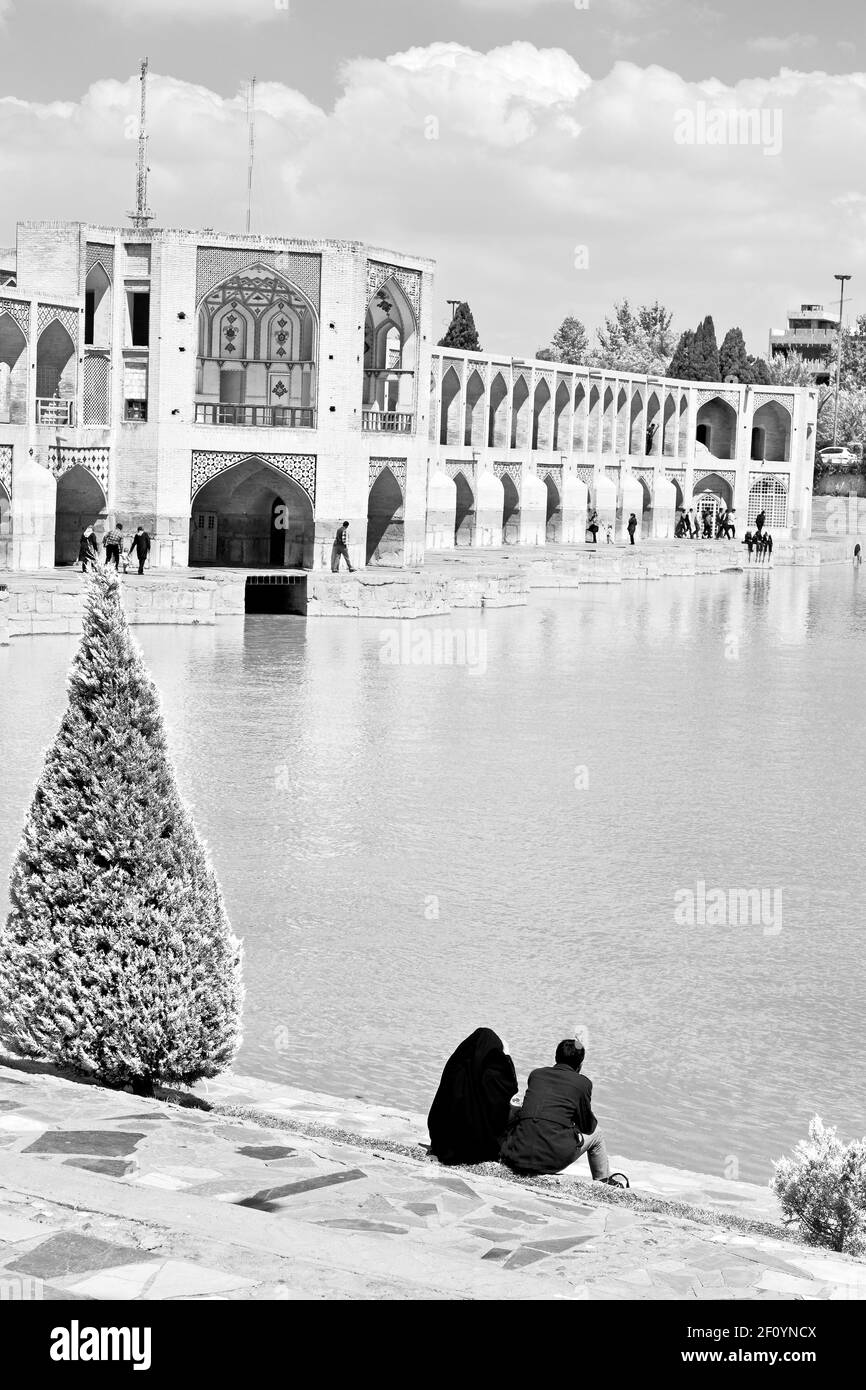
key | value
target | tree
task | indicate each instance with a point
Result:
(761, 373)
(634, 340)
(791, 369)
(117, 959)
(461, 332)
(823, 1189)
(733, 358)
(853, 370)
(569, 344)
(680, 367)
(705, 353)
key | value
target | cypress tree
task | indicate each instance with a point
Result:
(733, 358)
(117, 959)
(681, 363)
(461, 332)
(706, 353)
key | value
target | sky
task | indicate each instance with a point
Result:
(552, 156)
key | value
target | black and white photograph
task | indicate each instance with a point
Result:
(432, 675)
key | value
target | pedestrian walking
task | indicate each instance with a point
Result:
(140, 543)
(341, 549)
(632, 527)
(87, 552)
(592, 527)
(113, 541)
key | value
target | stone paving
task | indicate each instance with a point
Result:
(107, 1196)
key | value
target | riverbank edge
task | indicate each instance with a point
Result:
(51, 602)
(361, 1124)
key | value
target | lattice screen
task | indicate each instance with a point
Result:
(770, 496)
(95, 390)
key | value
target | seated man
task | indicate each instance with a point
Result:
(556, 1124)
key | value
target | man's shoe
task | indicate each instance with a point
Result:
(617, 1180)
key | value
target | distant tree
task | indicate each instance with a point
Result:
(733, 358)
(705, 352)
(680, 366)
(569, 344)
(117, 959)
(761, 373)
(461, 332)
(853, 374)
(791, 369)
(634, 340)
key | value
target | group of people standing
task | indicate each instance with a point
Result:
(699, 524)
(477, 1115)
(112, 542)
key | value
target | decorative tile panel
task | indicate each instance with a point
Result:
(66, 456)
(101, 255)
(208, 463)
(67, 318)
(455, 466)
(732, 397)
(397, 467)
(215, 264)
(768, 398)
(512, 469)
(727, 475)
(6, 467)
(408, 280)
(585, 473)
(19, 311)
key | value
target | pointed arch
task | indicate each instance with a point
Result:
(553, 513)
(80, 501)
(519, 397)
(541, 409)
(235, 510)
(716, 428)
(449, 426)
(473, 432)
(562, 401)
(55, 363)
(13, 371)
(385, 520)
(464, 515)
(771, 433)
(498, 412)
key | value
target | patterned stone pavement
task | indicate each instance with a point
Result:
(106, 1196)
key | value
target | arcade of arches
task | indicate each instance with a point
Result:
(80, 503)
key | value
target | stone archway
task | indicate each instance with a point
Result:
(464, 515)
(13, 371)
(553, 515)
(510, 511)
(236, 513)
(80, 502)
(385, 521)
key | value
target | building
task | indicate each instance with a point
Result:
(241, 396)
(813, 332)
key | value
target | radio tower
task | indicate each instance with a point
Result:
(142, 214)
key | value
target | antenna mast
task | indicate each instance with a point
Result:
(251, 122)
(142, 214)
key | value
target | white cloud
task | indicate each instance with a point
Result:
(194, 11)
(785, 43)
(499, 165)
(6, 9)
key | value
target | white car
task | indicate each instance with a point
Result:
(837, 453)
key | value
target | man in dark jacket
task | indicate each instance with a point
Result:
(341, 548)
(141, 545)
(556, 1124)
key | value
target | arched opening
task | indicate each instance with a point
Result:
(55, 375)
(464, 514)
(669, 427)
(683, 427)
(257, 352)
(13, 372)
(771, 433)
(678, 493)
(711, 494)
(390, 339)
(553, 527)
(770, 496)
(607, 422)
(541, 416)
(510, 511)
(449, 422)
(252, 514)
(622, 422)
(579, 423)
(518, 413)
(385, 521)
(634, 441)
(717, 428)
(561, 403)
(80, 502)
(652, 440)
(594, 438)
(497, 426)
(474, 427)
(97, 308)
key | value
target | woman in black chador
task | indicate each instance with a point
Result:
(470, 1112)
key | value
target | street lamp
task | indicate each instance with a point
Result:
(841, 279)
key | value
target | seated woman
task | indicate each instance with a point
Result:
(470, 1111)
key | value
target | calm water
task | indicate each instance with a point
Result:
(347, 801)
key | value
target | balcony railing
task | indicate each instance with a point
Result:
(292, 417)
(51, 411)
(394, 421)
